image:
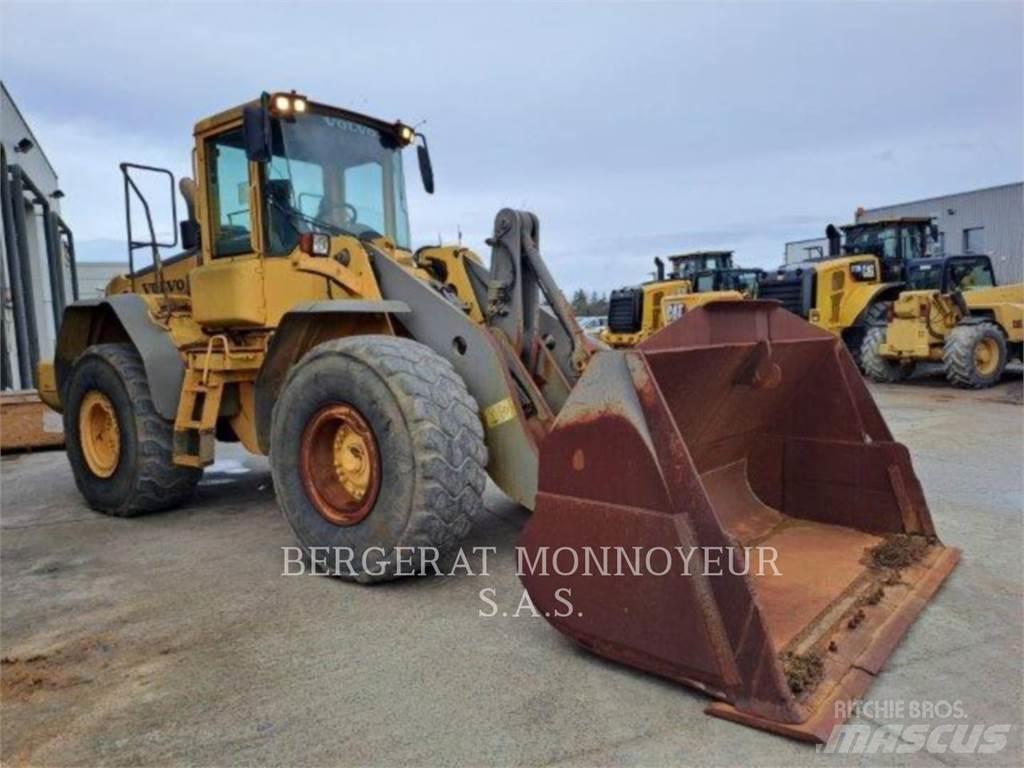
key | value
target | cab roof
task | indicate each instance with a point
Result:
(235, 113)
(888, 222)
(697, 255)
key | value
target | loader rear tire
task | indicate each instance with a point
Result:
(420, 459)
(107, 399)
(877, 367)
(975, 355)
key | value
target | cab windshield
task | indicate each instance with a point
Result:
(330, 174)
(688, 265)
(887, 243)
(956, 275)
(882, 242)
(925, 277)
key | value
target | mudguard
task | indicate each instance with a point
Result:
(123, 317)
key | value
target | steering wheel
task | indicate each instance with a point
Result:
(351, 214)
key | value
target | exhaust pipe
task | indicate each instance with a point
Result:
(659, 266)
(835, 240)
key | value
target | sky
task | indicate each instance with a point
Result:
(631, 130)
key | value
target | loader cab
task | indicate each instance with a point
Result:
(743, 280)
(283, 168)
(686, 266)
(951, 274)
(897, 243)
(289, 192)
(280, 176)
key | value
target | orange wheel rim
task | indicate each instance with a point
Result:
(340, 464)
(99, 434)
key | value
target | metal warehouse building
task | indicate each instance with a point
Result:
(37, 268)
(989, 220)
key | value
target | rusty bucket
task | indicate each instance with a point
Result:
(725, 506)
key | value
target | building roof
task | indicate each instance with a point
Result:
(888, 220)
(28, 128)
(945, 197)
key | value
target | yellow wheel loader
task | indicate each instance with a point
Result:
(953, 314)
(386, 384)
(696, 279)
(850, 291)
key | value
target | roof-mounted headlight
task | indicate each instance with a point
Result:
(288, 104)
(406, 134)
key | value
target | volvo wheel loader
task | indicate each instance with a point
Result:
(850, 290)
(953, 314)
(386, 384)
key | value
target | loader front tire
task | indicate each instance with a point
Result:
(875, 316)
(378, 457)
(119, 447)
(974, 355)
(876, 366)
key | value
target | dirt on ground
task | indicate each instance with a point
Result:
(803, 672)
(900, 550)
(63, 667)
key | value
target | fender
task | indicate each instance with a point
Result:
(304, 326)
(882, 291)
(119, 318)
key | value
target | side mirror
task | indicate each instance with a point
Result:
(933, 230)
(426, 169)
(256, 133)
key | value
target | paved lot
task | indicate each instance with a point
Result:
(174, 638)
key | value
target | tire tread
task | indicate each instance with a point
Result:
(446, 432)
(160, 484)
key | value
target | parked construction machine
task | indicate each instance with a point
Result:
(745, 280)
(386, 384)
(953, 314)
(851, 289)
(637, 312)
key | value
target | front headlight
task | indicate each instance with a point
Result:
(315, 243)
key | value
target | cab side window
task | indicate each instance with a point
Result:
(228, 196)
(364, 192)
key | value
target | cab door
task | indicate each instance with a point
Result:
(228, 289)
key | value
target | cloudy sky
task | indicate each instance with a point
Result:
(631, 130)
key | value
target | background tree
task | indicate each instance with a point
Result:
(579, 302)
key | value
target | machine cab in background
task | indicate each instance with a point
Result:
(951, 274)
(686, 266)
(896, 242)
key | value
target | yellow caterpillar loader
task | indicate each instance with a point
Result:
(635, 313)
(386, 384)
(850, 290)
(954, 314)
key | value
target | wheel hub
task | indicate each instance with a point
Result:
(99, 434)
(340, 464)
(986, 356)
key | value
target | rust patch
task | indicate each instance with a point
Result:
(900, 550)
(803, 672)
(578, 460)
